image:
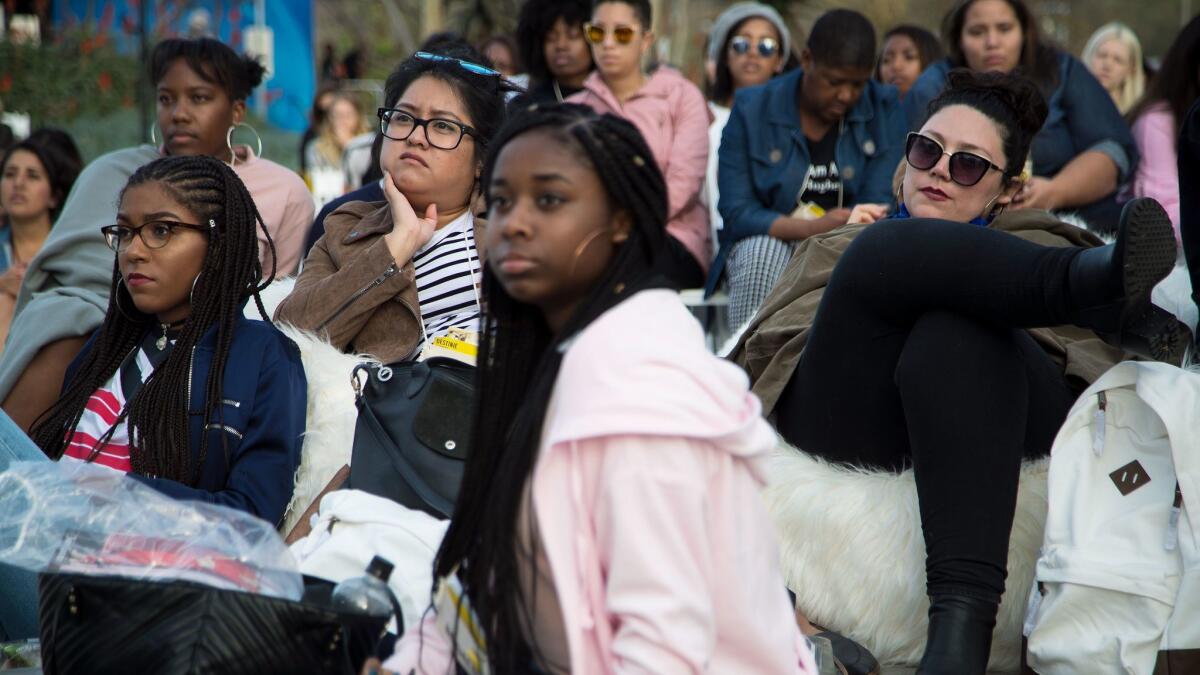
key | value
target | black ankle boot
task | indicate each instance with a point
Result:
(1112, 284)
(960, 635)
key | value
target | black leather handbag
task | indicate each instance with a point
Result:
(108, 624)
(413, 434)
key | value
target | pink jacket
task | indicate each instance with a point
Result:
(1157, 174)
(673, 117)
(647, 496)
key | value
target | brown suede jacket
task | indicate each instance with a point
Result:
(353, 292)
(770, 347)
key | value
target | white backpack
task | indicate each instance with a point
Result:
(1118, 577)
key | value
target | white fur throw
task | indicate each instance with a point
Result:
(329, 430)
(853, 552)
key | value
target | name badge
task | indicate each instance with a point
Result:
(458, 343)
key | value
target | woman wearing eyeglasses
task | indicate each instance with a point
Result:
(671, 115)
(176, 389)
(387, 278)
(749, 44)
(924, 340)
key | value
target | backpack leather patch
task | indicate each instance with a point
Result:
(1130, 477)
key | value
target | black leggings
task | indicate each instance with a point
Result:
(916, 357)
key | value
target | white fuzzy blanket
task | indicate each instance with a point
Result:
(853, 552)
(329, 433)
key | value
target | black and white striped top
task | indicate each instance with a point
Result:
(448, 272)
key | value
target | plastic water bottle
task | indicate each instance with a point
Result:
(367, 594)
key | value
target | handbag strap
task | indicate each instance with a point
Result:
(408, 472)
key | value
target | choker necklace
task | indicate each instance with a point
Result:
(161, 342)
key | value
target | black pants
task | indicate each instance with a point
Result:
(916, 357)
(679, 265)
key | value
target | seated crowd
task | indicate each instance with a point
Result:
(885, 219)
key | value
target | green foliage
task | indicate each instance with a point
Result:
(80, 74)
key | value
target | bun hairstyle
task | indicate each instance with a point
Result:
(214, 61)
(1013, 102)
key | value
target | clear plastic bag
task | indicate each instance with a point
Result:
(77, 517)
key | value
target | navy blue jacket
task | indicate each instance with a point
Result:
(1082, 117)
(764, 157)
(262, 415)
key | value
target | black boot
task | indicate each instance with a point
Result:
(1113, 284)
(960, 635)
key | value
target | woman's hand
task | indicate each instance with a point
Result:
(1037, 193)
(409, 232)
(865, 214)
(10, 281)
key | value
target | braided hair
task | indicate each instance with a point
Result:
(517, 342)
(157, 415)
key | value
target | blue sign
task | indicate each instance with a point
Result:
(290, 90)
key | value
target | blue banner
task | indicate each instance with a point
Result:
(293, 84)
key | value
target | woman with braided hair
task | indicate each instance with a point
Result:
(613, 488)
(177, 388)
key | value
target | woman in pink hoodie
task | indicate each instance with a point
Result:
(609, 519)
(672, 116)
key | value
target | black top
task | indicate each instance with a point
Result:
(824, 182)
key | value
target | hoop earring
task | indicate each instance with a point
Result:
(192, 293)
(117, 302)
(900, 195)
(229, 141)
(153, 135)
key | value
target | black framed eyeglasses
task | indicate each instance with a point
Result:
(154, 234)
(767, 47)
(441, 133)
(966, 168)
(465, 65)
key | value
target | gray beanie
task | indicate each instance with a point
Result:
(739, 13)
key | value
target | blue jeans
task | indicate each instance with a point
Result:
(18, 587)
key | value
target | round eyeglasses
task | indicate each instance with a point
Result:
(441, 133)
(622, 34)
(966, 168)
(154, 234)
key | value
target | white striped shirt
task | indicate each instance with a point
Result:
(447, 277)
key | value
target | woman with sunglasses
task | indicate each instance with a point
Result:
(670, 113)
(924, 340)
(798, 152)
(176, 388)
(387, 278)
(1085, 149)
(748, 45)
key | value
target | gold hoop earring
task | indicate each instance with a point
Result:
(154, 136)
(229, 141)
(900, 195)
(117, 302)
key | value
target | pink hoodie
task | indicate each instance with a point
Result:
(1157, 173)
(647, 498)
(673, 117)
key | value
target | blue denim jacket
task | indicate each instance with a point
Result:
(1082, 117)
(764, 157)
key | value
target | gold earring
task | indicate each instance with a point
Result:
(620, 237)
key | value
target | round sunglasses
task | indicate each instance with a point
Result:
(622, 34)
(966, 168)
(767, 47)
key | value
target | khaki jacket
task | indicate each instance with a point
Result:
(770, 347)
(352, 291)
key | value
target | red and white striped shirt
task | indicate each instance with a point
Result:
(99, 415)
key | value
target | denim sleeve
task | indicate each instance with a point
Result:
(1094, 121)
(740, 207)
(916, 101)
(877, 186)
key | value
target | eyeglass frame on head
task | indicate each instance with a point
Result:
(463, 129)
(468, 66)
(112, 232)
(913, 136)
(588, 27)
(770, 43)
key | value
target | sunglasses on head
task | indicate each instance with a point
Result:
(966, 168)
(465, 65)
(622, 34)
(767, 47)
